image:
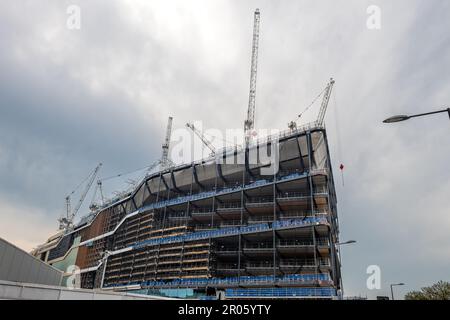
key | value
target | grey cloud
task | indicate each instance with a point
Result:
(71, 99)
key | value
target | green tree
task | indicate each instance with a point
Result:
(438, 291)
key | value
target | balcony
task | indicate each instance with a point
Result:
(223, 251)
(286, 176)
(300, 243)
(258, 249)
(303, 263)
(225, 268)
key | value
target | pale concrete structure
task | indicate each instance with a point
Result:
(18, 265)
(25, 291)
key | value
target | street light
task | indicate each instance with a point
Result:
(393, 285)
(346, 242)
(405, 117)
(338, 244)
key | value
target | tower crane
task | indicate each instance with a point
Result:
(249, 123)
(325, 100)
(165, 161)
(202, 137)
(326, 93)
(99, 188)
(67, 221)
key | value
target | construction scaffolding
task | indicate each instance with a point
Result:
(214, 225)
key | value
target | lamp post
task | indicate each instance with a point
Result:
(400, 118)
(393, 285)
(346, 242)
(338, 244)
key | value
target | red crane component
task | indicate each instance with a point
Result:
(342, 173)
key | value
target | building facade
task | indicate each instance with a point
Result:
(216, 228)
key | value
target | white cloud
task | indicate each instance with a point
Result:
(24, 226)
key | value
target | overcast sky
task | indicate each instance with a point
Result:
(72, 98)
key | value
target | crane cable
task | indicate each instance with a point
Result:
(338, 137)
(310, 105)
(126, 173)
(94, 195)
(97, 187)
(212, 137)
(81, 183)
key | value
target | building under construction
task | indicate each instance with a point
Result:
(217, 228)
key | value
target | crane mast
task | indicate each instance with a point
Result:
(325, 100)
(250, 121)
(67, 221)
(202, 137)
(165, 161)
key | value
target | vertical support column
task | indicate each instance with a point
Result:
(274, 240)
(333, 261)
(333, 219)
(124, 240)
(311, 195)
(310, 161)
(186, 222)
(242, 216)
(213, 213)
(103, 273)
(316, 262)
(153, 228)
(165, 207)
(162, 229)
(330, 237)
(244, 174)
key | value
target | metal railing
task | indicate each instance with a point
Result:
(304, 262)
(287, 195)
(226, 249)
(227, 223)
(281, 292)
(297, 243)
(261, 245)
(207, 194)
(223, 232)
(230, 205)
(232, 281)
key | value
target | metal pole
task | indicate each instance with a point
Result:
(341, 283)
(392, 292)
(430, 113)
